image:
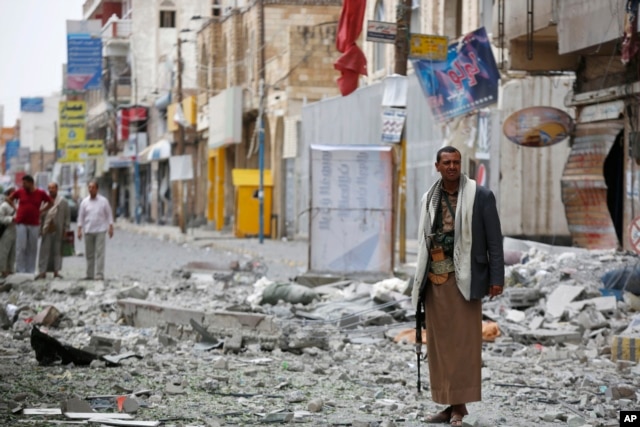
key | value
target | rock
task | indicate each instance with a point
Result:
(221, 363)
(166, 340)
(575, 420)
(172, 388)
(130, 405)
(471, 421)
(295, 397)
(388, 424)
(233, 344)
(551, 416)
(315, 405)
(620, 391)
(49, 316)
(278, 417)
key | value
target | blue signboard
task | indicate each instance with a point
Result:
(84, 61)
(32, 105)
(466, 81)
(11, 151)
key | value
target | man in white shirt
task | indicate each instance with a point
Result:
(95, 220)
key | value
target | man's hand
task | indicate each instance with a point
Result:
(494, 291)
(110, 231)
(79, 233)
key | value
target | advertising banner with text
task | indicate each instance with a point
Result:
(465, 82)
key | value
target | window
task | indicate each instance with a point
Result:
(416, 17)
(215, 10)
(378, 48)
(453, 19)
(167, 19)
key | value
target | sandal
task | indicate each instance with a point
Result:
(456, 420)
(440, 417)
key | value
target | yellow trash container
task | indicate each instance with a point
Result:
(247, 209)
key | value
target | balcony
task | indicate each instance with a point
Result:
(115, 37)
(116, 29)
(529, 31)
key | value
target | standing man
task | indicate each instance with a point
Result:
(55, 224)
(8, 237)
(32, 202)
(460, 260)
(95, 220)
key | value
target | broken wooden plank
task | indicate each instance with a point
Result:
(42, 411)
(134, 423)
(90, 415)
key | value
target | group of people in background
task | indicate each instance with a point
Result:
(29, 213)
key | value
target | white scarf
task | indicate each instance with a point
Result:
(462, 235)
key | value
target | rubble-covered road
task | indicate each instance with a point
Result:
(206, 350)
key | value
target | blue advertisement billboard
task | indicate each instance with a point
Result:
(32, 105)
(466, 81)
(84, 55)
(11, 151)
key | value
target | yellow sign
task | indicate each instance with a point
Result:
(71, 123)
(81, 151)
(422, 46)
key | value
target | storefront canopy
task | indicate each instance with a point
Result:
(161, 150)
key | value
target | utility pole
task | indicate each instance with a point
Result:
(262, 95)
(136, 165)
(403, 19)
(181, 190)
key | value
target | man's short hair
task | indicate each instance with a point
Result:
(28, 178)
(446, 149)
(94, 182)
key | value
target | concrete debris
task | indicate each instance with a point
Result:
(191, 341)
(560, 299)
(49, 316)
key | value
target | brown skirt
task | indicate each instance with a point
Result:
(454, 344)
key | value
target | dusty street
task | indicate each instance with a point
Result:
(322, 368)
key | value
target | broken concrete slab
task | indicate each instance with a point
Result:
(114, 360)
(230, 321)
(590, 318)
(278, 417)
(18, 279)
(561, 297)
(144, 314)
(76, 405)
(134, 292)
(102, 345)
(547, 336)
(232, 344)
(606, 304)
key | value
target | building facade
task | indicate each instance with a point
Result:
(289, 46)
(597, 41)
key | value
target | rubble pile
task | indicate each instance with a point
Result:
(230, 347)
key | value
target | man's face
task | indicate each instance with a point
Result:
(27, 185)
(93, 189)
(449, 166)
(53, 190)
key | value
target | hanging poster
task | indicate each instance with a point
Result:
(351, 227)
(465, 82)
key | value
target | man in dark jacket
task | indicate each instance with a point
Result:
(460, 260)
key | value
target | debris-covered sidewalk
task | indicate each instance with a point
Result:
(219, 343)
